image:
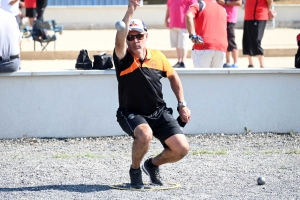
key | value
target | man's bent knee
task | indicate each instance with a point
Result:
(178, 144)
(143, 133)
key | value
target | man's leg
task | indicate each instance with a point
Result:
(141, 144)
(218, 59)
(183, 44)
(228, 55)
(261, 60)
(202, 58)
(250, 60)
(235, 55)
(178, 147)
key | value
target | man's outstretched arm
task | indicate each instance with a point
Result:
(120, 43)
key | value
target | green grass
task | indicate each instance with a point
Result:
(282, 167)
(248, 153)
(271, 152)
(295, 151)
(61, 156)
(206, 152)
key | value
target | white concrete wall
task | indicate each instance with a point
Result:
(83, 103)
(104, 17)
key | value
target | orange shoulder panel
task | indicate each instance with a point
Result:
(158, 60)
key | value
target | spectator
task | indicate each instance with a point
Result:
(256, 15)
(207, 19)
(142, 111)
(297, 55)
(11, 6)
(9, 42)
(21, 13)
(175, 21)
(30, 6)
(231, 7)
(40, 8)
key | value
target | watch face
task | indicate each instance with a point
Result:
(182, 104)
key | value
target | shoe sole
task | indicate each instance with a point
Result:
(137, 188)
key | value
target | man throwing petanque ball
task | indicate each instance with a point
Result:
(142, 111)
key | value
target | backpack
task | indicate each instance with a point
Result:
(83, 60)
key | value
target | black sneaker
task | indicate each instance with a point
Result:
(177, 65)
(152, 172)
(136, 179)
(182, 65)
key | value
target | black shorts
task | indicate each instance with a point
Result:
(252, 36)
(31, 12)
(231, 36)
(162, 123)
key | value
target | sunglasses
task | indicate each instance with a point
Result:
(138, 37)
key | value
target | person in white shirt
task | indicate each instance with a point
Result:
(11, 6)
(9, 42)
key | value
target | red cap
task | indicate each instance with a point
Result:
(298, 37)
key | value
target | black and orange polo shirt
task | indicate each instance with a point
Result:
(139, 85)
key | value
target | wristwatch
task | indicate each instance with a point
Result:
(182, 104)
(191, 35)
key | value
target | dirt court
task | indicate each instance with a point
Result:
(218, 166)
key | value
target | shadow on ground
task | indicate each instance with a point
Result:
(71, 188)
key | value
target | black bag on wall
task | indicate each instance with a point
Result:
(83, 60)
(102, 61)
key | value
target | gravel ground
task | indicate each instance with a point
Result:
(217, 167)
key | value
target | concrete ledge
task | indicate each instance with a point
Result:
(72, 55)
(79, 103)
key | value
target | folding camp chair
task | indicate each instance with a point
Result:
(40, 30)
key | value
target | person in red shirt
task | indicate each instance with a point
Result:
(206, 22)
(30, 6)
(257, 12)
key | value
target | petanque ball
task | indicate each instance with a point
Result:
(261, 181)
(120, 25)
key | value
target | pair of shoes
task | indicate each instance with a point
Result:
(226, 65)
(250, 66)
(179, 65)
(152, 172)
(136, 179)
(234, 66)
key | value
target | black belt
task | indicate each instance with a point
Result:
(11, 57)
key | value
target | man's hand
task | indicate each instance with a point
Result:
(196, 39)
(221, 2)
(184, 113)
(133, 4)
(272, 14)
(12, 2)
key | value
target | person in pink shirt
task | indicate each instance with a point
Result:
(231, 7)
(175, 21)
